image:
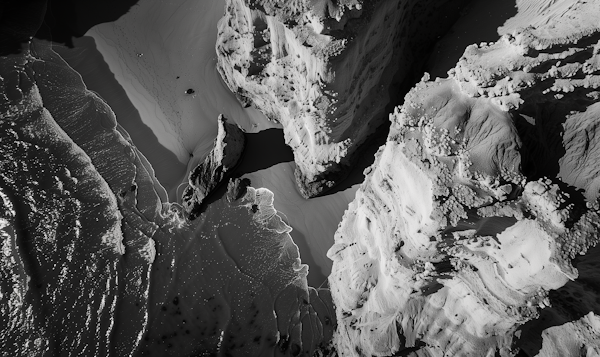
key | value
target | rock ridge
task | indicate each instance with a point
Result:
(217, 166)
(462, 239)
(324, 70)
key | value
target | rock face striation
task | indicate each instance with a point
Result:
(462, 239)
(324, 69)
(225, 155)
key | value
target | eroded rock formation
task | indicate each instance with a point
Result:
(324, 70)
(218, 164)
(468, 222)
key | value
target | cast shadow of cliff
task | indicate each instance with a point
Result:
(66, 19)
(495, 15)
(58, 21)
(19, 21)
(568, 304)
(263, 149)
(479, 22)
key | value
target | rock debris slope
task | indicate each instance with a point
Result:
(461, 240)
(324, 69)
(96, 263)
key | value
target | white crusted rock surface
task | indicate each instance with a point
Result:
(323, 70)
(467, 223)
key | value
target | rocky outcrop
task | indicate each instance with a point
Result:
(96, 262)
(324, 70)
(465, 229)
(207, 176)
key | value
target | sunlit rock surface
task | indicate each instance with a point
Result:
(95, 262)
(204, 178)
(324, 70)
(461, 239)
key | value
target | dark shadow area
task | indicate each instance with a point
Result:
(364, 158)
(58, 21)
(97, 76)
(66, 19)
(263, 150)
(19, 21)
(419, 46)
(492, 226)
(407, 351)
(478, 23)
(365, 154)
(568, 304)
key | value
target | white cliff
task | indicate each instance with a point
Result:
(475, 207)
(324, 70)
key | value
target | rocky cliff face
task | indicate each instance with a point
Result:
(467, 224)
(218, 164)
(324, 70)
(95, 262)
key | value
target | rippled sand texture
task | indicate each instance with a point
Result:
(96, 262)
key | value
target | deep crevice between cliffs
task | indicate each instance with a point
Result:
(457, 15)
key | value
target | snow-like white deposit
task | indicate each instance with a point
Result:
(469, 219)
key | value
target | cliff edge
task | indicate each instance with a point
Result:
(325, 70)
(475, 228)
